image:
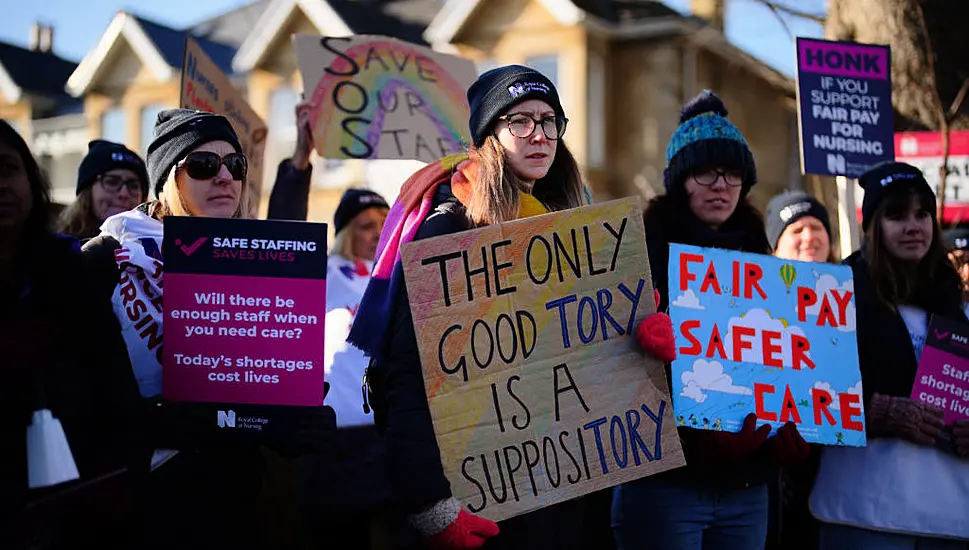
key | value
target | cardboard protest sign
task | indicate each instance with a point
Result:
(759, 334)
(844, 99)
(375, 97)
(943, 376)
(244, 303)
(538, 392)
(206, 88)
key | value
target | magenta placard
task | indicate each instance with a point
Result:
(943, 382)
(238, 339)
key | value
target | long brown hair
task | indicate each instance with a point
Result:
(78, 220)
(495, 197)
(934, 280)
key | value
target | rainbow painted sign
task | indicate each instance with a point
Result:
(375, 97)
(536, 387)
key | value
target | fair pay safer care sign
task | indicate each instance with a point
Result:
(757, 334)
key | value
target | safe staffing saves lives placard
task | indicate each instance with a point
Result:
(244, 302)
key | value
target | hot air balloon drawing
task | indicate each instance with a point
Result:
(788, 274)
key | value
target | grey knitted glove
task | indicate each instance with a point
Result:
(905, 418)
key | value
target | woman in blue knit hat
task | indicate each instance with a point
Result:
(720, 499)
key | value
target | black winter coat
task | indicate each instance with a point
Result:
(668, 220)
(57, 352)
(402, 414)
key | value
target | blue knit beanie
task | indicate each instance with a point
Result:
(706, 139)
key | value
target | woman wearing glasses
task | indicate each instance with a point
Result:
(719, 499)
(518, 166)
(112, 179)
(205, 495)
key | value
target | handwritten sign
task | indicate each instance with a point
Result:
(759, 334)
(844, 98)
(375, 97)
(538, 392)
(206, 88)
(943, 376)
(244, 302)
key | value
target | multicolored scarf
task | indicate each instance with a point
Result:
(412, 207)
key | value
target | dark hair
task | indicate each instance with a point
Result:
(39, 220)
(935, 286)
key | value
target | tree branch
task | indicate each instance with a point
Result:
(943, 117)
(794, 12)
(957, 102)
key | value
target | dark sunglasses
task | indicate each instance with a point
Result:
(114, 184)
(205, 165)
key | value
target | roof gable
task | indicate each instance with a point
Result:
(32, 72)
(171, 45)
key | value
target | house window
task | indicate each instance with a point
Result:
(148, 115)
(548, 65)
(597, 111)
(113, 126)
(282, 109)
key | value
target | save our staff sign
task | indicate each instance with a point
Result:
(760, 334)
(537, 390)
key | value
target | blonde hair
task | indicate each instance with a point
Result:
(171, 203)
(78, 219)
(495, 195)
(345, 242)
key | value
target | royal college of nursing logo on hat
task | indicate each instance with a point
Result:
(792, 210)
(962, 242)
(900, 176)
(522, 88)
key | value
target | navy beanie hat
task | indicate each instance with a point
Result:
(705, 139)
(104, 156)
(353, 202)
(790, 206)
(497, 90)
(956, 239)
(890, 177)
(177, 133)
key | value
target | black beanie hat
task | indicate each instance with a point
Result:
(956, 239)
(890, 177)
(704, 139)
(104, 156)
(497, 90)
(353, 202)
(177, 133)
(790, 206)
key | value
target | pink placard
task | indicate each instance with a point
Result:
(943, 376)
(843, 59)
(238, 339)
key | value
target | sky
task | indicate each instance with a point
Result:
(78, 24)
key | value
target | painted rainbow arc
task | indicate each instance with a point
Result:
(445, 101)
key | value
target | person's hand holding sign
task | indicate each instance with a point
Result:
(655, 334)
(447, 526)
(304, 137)
(905, 418)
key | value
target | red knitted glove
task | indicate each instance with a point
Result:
(960, 430)
(787, 448)
(447, 526)
(655, 335)
(731, 447)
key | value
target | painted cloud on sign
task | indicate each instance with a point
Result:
(824, 285)
(762, 321)
(835, 402)
(688, 300)
(708, 376)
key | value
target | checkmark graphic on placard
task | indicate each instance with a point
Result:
(941, 335)
(190, 249)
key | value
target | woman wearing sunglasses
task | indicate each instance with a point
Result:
(205, 494)
(112, 179)
(719, 499)
(518, 167)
